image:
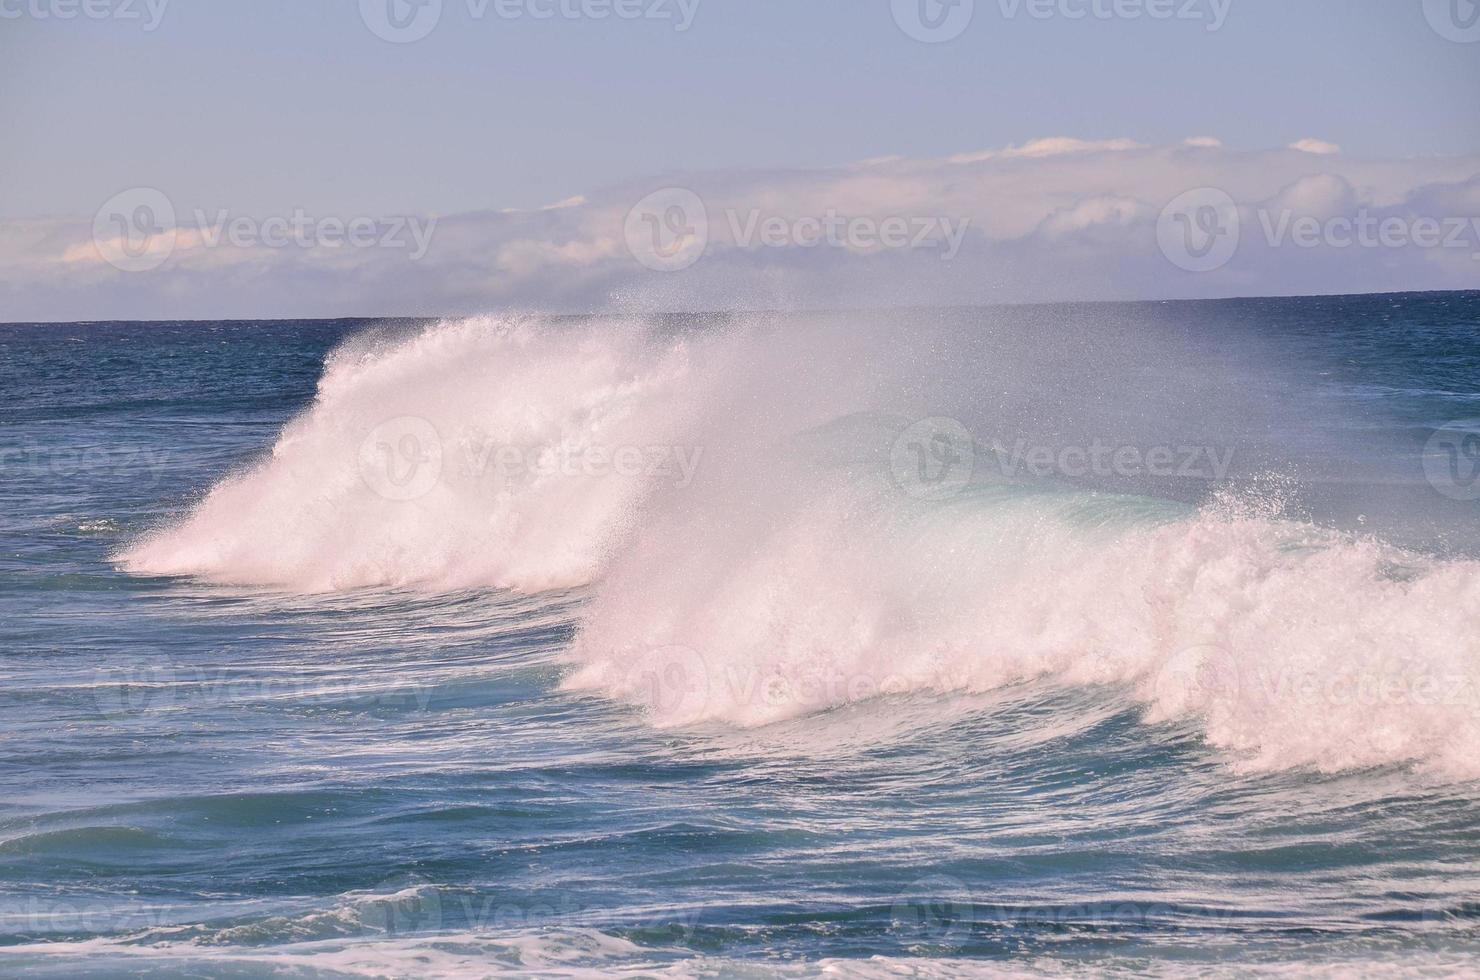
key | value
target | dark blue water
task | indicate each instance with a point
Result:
(208, 775)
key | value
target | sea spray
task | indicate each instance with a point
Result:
(784, 570)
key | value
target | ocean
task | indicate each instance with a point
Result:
(1128, 638)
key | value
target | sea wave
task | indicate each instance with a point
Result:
(775, 523)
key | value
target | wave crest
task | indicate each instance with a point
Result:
(735, 496)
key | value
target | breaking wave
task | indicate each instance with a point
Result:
(774, 520)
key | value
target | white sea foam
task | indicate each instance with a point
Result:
(587, 954)
(761, 559)
(393, 476)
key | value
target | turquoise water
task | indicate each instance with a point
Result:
(434, 765)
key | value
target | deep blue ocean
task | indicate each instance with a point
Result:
(1137, 638)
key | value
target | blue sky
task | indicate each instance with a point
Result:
(1043, 149)
(275, 103)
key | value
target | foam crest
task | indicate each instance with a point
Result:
(1288, 646)
(735, 496)
(483, 453)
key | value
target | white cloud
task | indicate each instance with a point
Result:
(1053, 219)
(1318, 147)
(1108, 210)
(1319, 195)
(1052, 147)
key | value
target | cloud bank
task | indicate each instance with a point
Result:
(1055, 219)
